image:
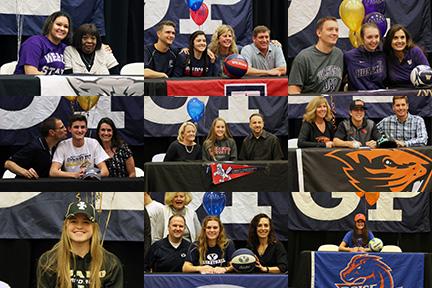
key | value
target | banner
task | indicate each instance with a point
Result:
(367, 270)
(35, 12)
(303, 15)
(221, 172)
(235, 110)
(237, 13)
(402, 212)
(36, 215)
(21, 116)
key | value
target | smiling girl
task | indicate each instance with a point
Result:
(219, 144)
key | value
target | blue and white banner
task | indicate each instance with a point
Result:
(21, 116)
(237, 13)
(405, 212)
(234, 109)
(36, 215)
(377, 106)
(34, 13)
(367, 270)
(303, 15)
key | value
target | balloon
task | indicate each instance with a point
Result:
(200, 16)
(71, 98)
(214, 203)
(355, 38)
(194, 5)
(379, 19)
(87, 102)
(352, 13)
(195, 109)
(374, 6)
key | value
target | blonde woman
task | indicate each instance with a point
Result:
(317, 129)
(223, 44)
(211, 241)
(219, 144)
(184, 148)
(176, 204)
(79, 256)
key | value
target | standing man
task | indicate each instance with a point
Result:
(406, 129)
(318, 68)
(260, 144)
(34, 159)
(169, 253)
(79, 153)
(357, 130)
(159, 58)
(155, 211)
(263, 57)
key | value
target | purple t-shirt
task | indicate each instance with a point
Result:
(366, 70)
(40, 52)
(398, 73)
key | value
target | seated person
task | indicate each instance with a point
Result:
(219, 144)
(357, 130)
(357, 240)
(317, 129)
(406, 129)
(270, 253)
(197, 62)
(34, 159)
(211, 241)
(86, 55)
(260, 144)
(184, 148)
(159, 58)
(222, 44)
(263, 57)
(79, 153)
(169, 254)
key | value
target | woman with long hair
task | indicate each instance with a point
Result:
(366, 65)
(79, 256)
(211, 241)
(121, 162)
(197, 62)
(402, 57)
(317, 129)
(270, 253)
(357, 240)
(219, 144)
(184, 148)
(223, 44)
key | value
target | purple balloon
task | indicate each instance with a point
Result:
(374, 6)
(379, 19)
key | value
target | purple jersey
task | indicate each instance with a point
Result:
(40, 52)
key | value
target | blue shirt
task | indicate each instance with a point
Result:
(348, 239)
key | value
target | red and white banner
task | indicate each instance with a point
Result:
(225, 172)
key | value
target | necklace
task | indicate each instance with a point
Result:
(88, 60)
(191, 149)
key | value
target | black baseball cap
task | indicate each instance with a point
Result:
(81, 207)
(354, 105)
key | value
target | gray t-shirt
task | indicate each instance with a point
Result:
(317, 72)
(255, 59)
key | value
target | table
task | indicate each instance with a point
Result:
(347, 170)
(73, 185)
(272, 176)
(302, 272)
(215, 86)
(217, 281)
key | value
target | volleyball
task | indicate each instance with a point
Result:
(421, 76)
(376, 244)
(243, 260)
(235, 66)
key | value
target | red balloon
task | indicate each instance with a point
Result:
(200, 16)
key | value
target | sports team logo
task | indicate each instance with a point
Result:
(366, 271)
(384, 170)
(225, 172)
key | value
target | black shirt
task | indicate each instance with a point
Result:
(265, 147)
(274, 255)
(179, 152)
(163, 257)
(159, 61)
(311, 136)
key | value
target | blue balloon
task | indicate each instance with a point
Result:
(214, 203)
(195, 109)
(194, 4)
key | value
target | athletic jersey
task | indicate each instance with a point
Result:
(213, 256)
(102, 62)
(192, 67)
(159, 61)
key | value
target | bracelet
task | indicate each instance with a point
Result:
(268, 270)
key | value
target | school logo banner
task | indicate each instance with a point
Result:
(221, 173)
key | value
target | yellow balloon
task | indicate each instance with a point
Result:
(87, 102)
(352, 13)
(71, 98)
(355, 39)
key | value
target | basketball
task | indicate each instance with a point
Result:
(421, 76)
(235, 66)
(376, 244)
(243, 260)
